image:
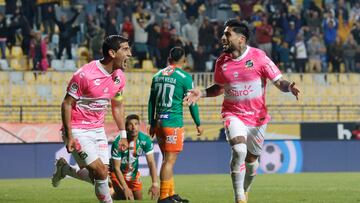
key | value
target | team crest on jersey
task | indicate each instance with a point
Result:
(249, 64)
(117, 80)
(74, 87)
(236, 74)
(139, 151)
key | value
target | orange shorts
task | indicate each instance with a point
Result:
(170, 139)
(134, 185)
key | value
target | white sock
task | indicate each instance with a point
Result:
(102, 191)
(238, 170)
(81, 174)
(250, 174)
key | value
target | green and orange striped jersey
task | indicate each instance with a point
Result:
(129, 158)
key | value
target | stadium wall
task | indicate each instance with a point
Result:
(282, 156)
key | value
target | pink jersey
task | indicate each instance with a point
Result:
(93, 88)
(244, 82)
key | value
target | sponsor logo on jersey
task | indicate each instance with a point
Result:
(164, 116)
(117, 80)
(74, 87)
(106, 90)
(171, 139)
(242, 92)
(249, 64)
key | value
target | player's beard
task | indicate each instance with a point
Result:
(228, 48)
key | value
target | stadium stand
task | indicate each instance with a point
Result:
(29, 95)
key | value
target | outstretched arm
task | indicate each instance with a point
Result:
(195, 94)
(127, 192)
(66, 121)
(286, 86)
(154, 189)
(118, 112)
(151, 111)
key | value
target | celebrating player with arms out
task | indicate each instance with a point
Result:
(124, 165)
(241, 74)
(83, 114)
(165, 112)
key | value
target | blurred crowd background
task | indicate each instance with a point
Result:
(299, 35)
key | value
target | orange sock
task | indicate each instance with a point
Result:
(164, 189)
(172, 187)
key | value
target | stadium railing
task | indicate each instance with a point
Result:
(209, 113)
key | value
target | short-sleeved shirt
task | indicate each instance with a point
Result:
(93, 88)
(129, 158)
(244, 82)
(169, 87)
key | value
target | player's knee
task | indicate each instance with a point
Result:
(239, 150)
(101, 172)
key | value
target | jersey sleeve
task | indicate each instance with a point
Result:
(194, 109)
(148, 147)
(115, 153)
(218, 74)
(77, 85)
(121, 78)
(151, 105)
(270, 70)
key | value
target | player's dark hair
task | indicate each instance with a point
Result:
(176, 54)
(112, 42)
(130, 117)
(238, 27)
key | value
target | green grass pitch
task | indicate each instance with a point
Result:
(274, 188)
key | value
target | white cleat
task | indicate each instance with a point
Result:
(58, 174)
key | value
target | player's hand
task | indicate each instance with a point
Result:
(154, 191)
(128, 194)
(200, 130)
(71, 145)
(295, 91)
(152, 131)
(123, 144)
(192, 96)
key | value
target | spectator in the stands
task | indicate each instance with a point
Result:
(38, 50)
(264, 35)
(66, 33)
(349, 50)
(3, 35)
(335, 53)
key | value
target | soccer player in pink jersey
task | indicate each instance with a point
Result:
(241, 73)
(92, 88)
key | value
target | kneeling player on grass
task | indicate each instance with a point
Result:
(124, 174)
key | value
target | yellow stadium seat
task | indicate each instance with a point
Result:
(29, 77)
(4, 78)
(331, 78)
(354, 78)
(295, 77)
(308, 78)
(16, 52)
(19, 64)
